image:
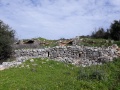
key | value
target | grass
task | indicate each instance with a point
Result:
(94, 42)
(44, 74)
(50, 43)
(117, 42)
(98, 42)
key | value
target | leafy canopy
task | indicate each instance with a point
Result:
(6, 40)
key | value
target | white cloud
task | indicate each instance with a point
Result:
(54, 19)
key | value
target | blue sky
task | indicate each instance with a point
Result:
(54, 19)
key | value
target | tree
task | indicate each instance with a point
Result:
(6, 40)
(115, 30)
(107, 34)
(100, 33)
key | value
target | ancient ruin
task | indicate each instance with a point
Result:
(77, 55)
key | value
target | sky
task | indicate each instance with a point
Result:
(55, 19)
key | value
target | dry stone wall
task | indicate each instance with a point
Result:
(77, 55)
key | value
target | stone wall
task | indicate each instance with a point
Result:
(77, 55)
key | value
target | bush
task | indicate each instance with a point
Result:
(98, 75)
(6, 41)
(91, 74)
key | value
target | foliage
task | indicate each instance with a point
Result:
(115, 30)
(112, 33)
(93, 75)
(117, 42)
(6, 40)
(100, 33)
(44, 74)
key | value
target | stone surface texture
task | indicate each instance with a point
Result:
(77, 55)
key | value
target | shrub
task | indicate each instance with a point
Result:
(98, 75)
(6, 40)
(91, 74)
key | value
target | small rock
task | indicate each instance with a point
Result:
(31, 60)
(1, 67)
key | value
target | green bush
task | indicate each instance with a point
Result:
(98, 75)
(91, 73)
(6, 41)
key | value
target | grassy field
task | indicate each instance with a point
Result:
(44, 74)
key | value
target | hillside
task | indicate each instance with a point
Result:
(44, 74)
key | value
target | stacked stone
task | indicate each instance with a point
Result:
(31, 53)
(10, 64)
(78, 55)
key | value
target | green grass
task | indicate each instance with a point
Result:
(117, 42)
(51, 43)
(98, 42)
(44, 74)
